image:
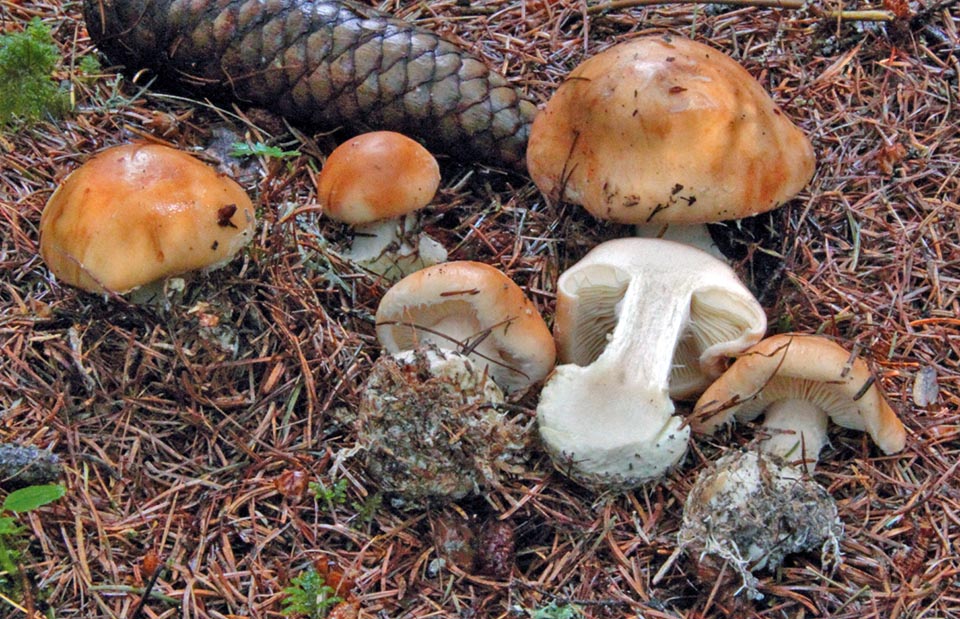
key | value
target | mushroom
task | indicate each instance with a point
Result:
(638, 322)
(139, 213)
(431, 427)
(798, 382)
(664, 132)
(476, 309)
(375, 182)
(753, 508)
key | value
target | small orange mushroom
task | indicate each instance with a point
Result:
(376, 182)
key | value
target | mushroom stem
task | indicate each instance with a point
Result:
(796, 431)
(371, 240)
(632, 426)
(394, 247)
(651, 322)
(697, 235)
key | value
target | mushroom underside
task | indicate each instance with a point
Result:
(714, 316)
(454, 325)
(842, 410)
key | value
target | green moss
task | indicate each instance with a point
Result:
(27, 60)
(89, 66)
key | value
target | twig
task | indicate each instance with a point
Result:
(867, 15)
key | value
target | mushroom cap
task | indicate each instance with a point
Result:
(723, 317)
(664, 129)
(795, 366)
(377, 175)
(138, 213)
(469, 306)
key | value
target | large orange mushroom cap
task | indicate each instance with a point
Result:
(666, 130)
(138, 213)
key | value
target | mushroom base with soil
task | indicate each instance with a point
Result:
(393, 248)
(431, 427)
(750, 510)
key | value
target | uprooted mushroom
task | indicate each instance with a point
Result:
(458, 336)
(639, 322)
(753, 508)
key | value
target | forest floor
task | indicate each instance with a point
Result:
(189, 434)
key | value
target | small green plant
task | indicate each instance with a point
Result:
(332, 496)
(89, 66)
(553, 611)
(309, 596)
(259, 149)
(27, 61)
(17, 502)
(368, 508)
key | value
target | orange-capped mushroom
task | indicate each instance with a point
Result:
(475, 308)
(798, 382)
(138, 213)
(376, 182)
(666, 130)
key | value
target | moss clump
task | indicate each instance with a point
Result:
(27, 60)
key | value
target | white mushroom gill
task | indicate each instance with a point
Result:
(600, 290)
